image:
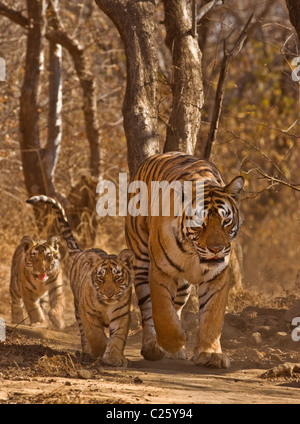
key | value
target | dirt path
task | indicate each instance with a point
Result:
(43, 366)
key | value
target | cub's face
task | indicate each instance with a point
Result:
(216, 222)
(41, 257)
(113, 276)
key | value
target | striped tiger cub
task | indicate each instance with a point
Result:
(36, 275)
(102, 286)
(174, 251)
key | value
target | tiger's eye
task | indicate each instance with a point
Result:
(101, 272)
(33, 255)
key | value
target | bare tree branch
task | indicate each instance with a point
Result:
(220, 88)
(277, 180)
(14, 15)
(258, 150)
(206, 8)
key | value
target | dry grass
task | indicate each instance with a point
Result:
(58, 365)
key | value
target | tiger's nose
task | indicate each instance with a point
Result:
(215, 249)
(109, 293)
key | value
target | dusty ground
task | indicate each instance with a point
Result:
(45, 366)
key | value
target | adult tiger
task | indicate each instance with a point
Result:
(171, 255)
(102, 286)
(36, 276)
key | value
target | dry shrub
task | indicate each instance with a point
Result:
(57, 365)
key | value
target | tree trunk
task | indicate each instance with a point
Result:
(136, 23)
(51, 151)
(187, 87)
(59, 36)
(294, 13)
(39, 164)
(29, 132)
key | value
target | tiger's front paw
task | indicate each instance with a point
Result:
(181, 354)
(151, 351)
(211, 359)
(114, 360)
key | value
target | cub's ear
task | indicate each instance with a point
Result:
(27, 242)
(235, 187)
(54, 242)
(93, 257)
(126, 257)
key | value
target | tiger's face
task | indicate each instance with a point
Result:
(215, 222)
(41, 257)
(113, 276)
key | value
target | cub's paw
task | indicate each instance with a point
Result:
(151, 351)
(211, 359)
(114, 360)
(181, 354)
(39, 324)
(56, 320)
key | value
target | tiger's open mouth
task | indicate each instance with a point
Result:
(42, 277)
(213, 260)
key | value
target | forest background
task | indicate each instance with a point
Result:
(257, 135)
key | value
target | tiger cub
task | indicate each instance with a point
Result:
(36, 275)
(102, 286)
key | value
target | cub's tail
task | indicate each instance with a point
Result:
(65, 229)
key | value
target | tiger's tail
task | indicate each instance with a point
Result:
(64, 227)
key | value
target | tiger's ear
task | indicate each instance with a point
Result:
(26, 242)
(93, 257)
(127, 257)
(235, 187)
(54, 242)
